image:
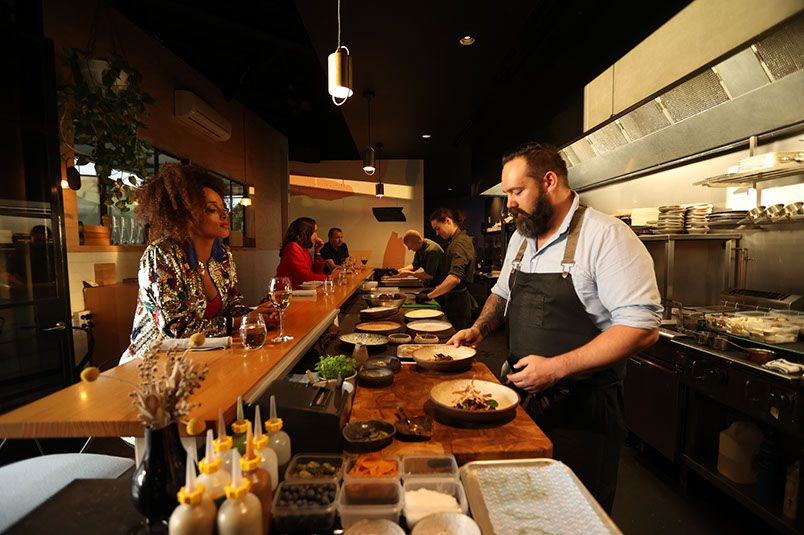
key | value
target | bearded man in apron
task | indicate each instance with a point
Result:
(579, 290)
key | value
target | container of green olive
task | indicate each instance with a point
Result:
(314, 467)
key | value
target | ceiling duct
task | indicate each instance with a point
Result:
(754, 91)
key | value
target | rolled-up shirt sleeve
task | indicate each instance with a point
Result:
(625, 280)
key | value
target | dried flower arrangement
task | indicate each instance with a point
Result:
(162, 399)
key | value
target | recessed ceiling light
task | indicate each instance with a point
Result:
(426, 136)
(467, 40)
(449, 189)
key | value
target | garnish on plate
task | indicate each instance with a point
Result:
(473, 399)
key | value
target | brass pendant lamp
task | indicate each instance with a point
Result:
(339, 70)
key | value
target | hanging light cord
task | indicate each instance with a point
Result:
(339, 25)
(369, 121)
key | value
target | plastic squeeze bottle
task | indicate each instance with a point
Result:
(260, 480)
(239, 427)
(212, 476)
(241, 513)
(269, 461)
(196, 513)
(223, 445)
(278, 440)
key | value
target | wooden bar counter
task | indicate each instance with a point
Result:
(513, 439)
(103, 408)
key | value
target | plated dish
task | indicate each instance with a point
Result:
(444, 357)
(474, 400)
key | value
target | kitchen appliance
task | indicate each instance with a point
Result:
(313, 416)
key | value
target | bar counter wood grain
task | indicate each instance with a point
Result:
(103, 408)
(519, 438)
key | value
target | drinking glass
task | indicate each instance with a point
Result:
(364, 260)
(328, 287)
(280, 292)
(253, 331)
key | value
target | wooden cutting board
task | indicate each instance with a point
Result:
(519, 438)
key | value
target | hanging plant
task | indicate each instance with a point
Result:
(105, 113)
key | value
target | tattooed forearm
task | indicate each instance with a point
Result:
(492, 316)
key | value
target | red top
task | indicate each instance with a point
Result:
(298, 267)
(213, 307)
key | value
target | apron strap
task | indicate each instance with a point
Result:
(572, 239)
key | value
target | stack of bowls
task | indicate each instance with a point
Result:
(671, 219)
(697, 218)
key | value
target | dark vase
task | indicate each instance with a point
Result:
(160, 475)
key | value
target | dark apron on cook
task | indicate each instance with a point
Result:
(582, 415)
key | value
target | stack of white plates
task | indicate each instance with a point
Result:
(697, 218)
(671, 219)
(727, 218)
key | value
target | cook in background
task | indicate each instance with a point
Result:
(427, 257)
(457, 270)
(187, 276)
(295, 262)
(334, 252)
(579, 290)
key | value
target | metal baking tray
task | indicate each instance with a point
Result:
(477, 503)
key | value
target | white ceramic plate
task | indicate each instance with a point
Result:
(378, 310)
(311, 284)
(423, 313)
(429, 326)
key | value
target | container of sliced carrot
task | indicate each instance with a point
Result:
(371, 466)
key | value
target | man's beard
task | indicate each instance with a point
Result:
(532, 225)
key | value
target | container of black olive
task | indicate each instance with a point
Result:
(304, 507)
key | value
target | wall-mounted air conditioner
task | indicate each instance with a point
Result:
(191, 110)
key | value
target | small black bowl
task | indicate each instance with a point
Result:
(392, 363)
(357, 434)
(375, 377)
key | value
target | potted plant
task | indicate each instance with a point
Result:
(104, 108)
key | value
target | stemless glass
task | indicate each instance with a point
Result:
(328, 287)
(253, 331)
(280, 292)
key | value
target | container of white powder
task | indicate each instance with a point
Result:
(424, 496)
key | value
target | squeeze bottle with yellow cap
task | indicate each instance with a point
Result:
(278, 440)
(223, 445)
(239, 427)
(260, 480)
(196, 513)
(212, 476)
(269, 461)
(241, 513)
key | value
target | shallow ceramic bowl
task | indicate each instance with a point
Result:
(355, 433)
(366, 339)
(423, 314)
(375, 526)
(462, 357)
(399, 338)
(438, 328)
(377, 313)
(444, 398)
(424, 425)
(392, 363)
(446, 524)
(378, 327)
(425, 339)
(375, 377)
(374, 300)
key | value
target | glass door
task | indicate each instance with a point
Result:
(35, 326)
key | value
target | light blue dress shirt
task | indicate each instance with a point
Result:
(613, 272)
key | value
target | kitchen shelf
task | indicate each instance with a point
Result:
(690, 237)
(744, 494)
(750, 178)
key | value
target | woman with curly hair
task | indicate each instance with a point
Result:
(295, 262)
(187, 276)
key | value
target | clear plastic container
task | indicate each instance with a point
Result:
(447, 486)
(350, 462)
(371, 499)
(291, 516)
(795, 317)
(429, 465)
(752, 314)
(773, 332)
(293, 471)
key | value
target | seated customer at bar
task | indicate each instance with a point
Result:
(295, 262)
(187, 276)
(334, 252)
(426, 258)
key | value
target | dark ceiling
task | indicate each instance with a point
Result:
(523, 78)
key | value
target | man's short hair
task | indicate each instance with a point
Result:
(541, 158)
(333, 230)
(411, 236)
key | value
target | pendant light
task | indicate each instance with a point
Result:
(339, 69)
(368, 154)
(246, 199)
(379, 188)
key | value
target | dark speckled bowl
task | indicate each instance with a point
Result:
(375, 377)
(392, 363)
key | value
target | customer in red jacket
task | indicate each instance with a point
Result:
(296, 263)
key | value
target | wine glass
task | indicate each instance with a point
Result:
(280, 292)
(364, 260)
(253, 331)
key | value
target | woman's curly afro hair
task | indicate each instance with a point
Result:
(174, 198)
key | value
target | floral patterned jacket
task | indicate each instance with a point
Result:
(171, 300)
